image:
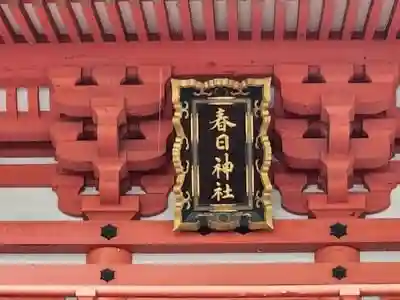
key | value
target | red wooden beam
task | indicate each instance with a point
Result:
(6, 32)
(394, 25)
(96, 31)
(373, 19)
(139, 19)
(181, 54)
(69, 20)
(162, 21)
(20, 16)
(302, 21)
(209, 19)
(90, 13)
(11, 101)
(350, 19)
(256, 20)
(288, 236)
(198, 292)
(232, 19)
(186, 22)
(326, 19)
(33, 175)
(200, 275)
(44, 17)
(38, 127)
(114, 15)
(33, 101)
(279, 27)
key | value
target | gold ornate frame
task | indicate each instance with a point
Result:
(181, 141)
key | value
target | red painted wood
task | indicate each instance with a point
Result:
(326, 19)
(162, 21)
(256, 20)
(357, 52)
(5, 32)
(279, 27)
(69, 20)
(186, 23)
(232, 19)
(346, 122)
(42, 178)
(291, 235)
(11, 102)
(117, 24)
(302, 21)
(350, 19)
(138, 17)
(207, 15)
(44, 18)
(395, 23)
(33, 101)
(372, 22)
(26, 31)
(209, 19)
(273, 274)
(89, 12)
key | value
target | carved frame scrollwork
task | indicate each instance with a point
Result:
(182, 168)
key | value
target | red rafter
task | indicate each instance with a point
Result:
(207, 15)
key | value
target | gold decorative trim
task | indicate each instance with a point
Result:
(181, 141)
(267, 153)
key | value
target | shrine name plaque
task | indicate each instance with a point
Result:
(221, 154)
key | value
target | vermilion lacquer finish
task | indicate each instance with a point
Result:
(335, 126)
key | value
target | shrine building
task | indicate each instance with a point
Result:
(199, 149)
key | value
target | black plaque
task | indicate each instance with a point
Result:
(221, 154)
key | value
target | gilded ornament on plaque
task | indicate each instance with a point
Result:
(222, 154)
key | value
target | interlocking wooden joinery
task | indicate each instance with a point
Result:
(334, 127)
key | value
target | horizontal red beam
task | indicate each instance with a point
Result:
(27, 175)
(215, 274)
(25, 128)
(288, 236)
(188, 56)
(198, 292)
